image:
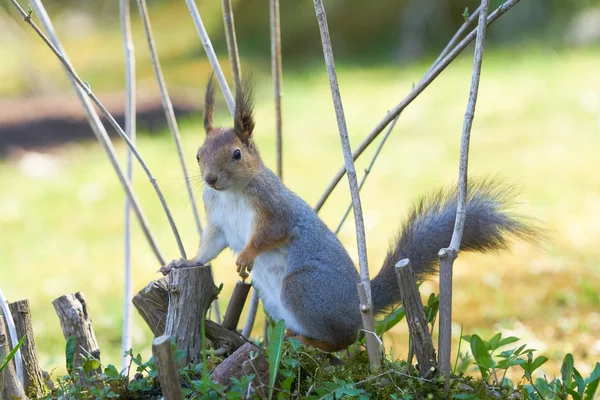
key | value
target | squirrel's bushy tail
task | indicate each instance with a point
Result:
(488, 226)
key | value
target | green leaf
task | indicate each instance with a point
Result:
(466, 13)
(12, 353)
(390, 321)
(493, 344)
(541, 360)
(566, 370)
(480, 353)
(70, 353)
(91, 365)
(274, 353)
(111, 372)
(508, 340)
(592, 383)
(465, 396)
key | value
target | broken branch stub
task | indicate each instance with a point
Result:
(75, 320)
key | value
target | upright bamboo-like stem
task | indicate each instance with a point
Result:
(448, 255)
(417, 90)
(38, 7)
(130, 130)
(14, 340)
(232, 48)
(168, 107)
(210, 53)
(366, 306)
(277, 78)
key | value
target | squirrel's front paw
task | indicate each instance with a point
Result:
(181, 263)
(244, 263)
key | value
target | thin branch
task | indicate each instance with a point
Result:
(251, 314)
(468, 22)
(232, 48)
(447, 256)
(130, 130)
(14, 339)
(168, 107)
(91, 115)
(417, 90)
(277, 78)
(366, 305)
(110, 118)
(368, 170)
(444, 52)
(210, 53)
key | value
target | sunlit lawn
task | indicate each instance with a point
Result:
(537, 124)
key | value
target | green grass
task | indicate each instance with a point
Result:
(536, 124)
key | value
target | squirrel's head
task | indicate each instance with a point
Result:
(228, 158)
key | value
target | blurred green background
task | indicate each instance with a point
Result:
(537, 124)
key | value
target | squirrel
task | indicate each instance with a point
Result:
(301, 270)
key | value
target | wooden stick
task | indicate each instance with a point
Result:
(191, 292)
(447, 256)
(168, 107)
(34, 382)
(92, 117)
(74, 317)
(277, 78)
(14, 338)
(232, 47)
(366, 305)
(210, 53)
(421, 343)
(252, 311)
(168, 374)
(417, 90)
(10, 386)
(236, 305)
(130, 131)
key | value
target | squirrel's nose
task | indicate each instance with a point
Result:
(211, 179)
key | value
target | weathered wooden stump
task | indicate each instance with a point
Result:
(191, 292)
(34, 381)
(421, 343)
(168, 374)
(152, 303)
(75, 321)
(10, 387)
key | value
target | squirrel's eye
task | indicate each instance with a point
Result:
(237, 155)
(197, 157)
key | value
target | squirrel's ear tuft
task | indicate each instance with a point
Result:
(209, 105)
(243, 122)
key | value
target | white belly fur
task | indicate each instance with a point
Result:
(234, 215)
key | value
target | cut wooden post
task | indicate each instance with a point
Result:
(422, 345)
(152, 302)
(191, 292)
(10, 387)
(166, 367)
(72, 311)
(236, 305)
(34, 381)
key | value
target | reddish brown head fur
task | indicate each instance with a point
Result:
(228, 158)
